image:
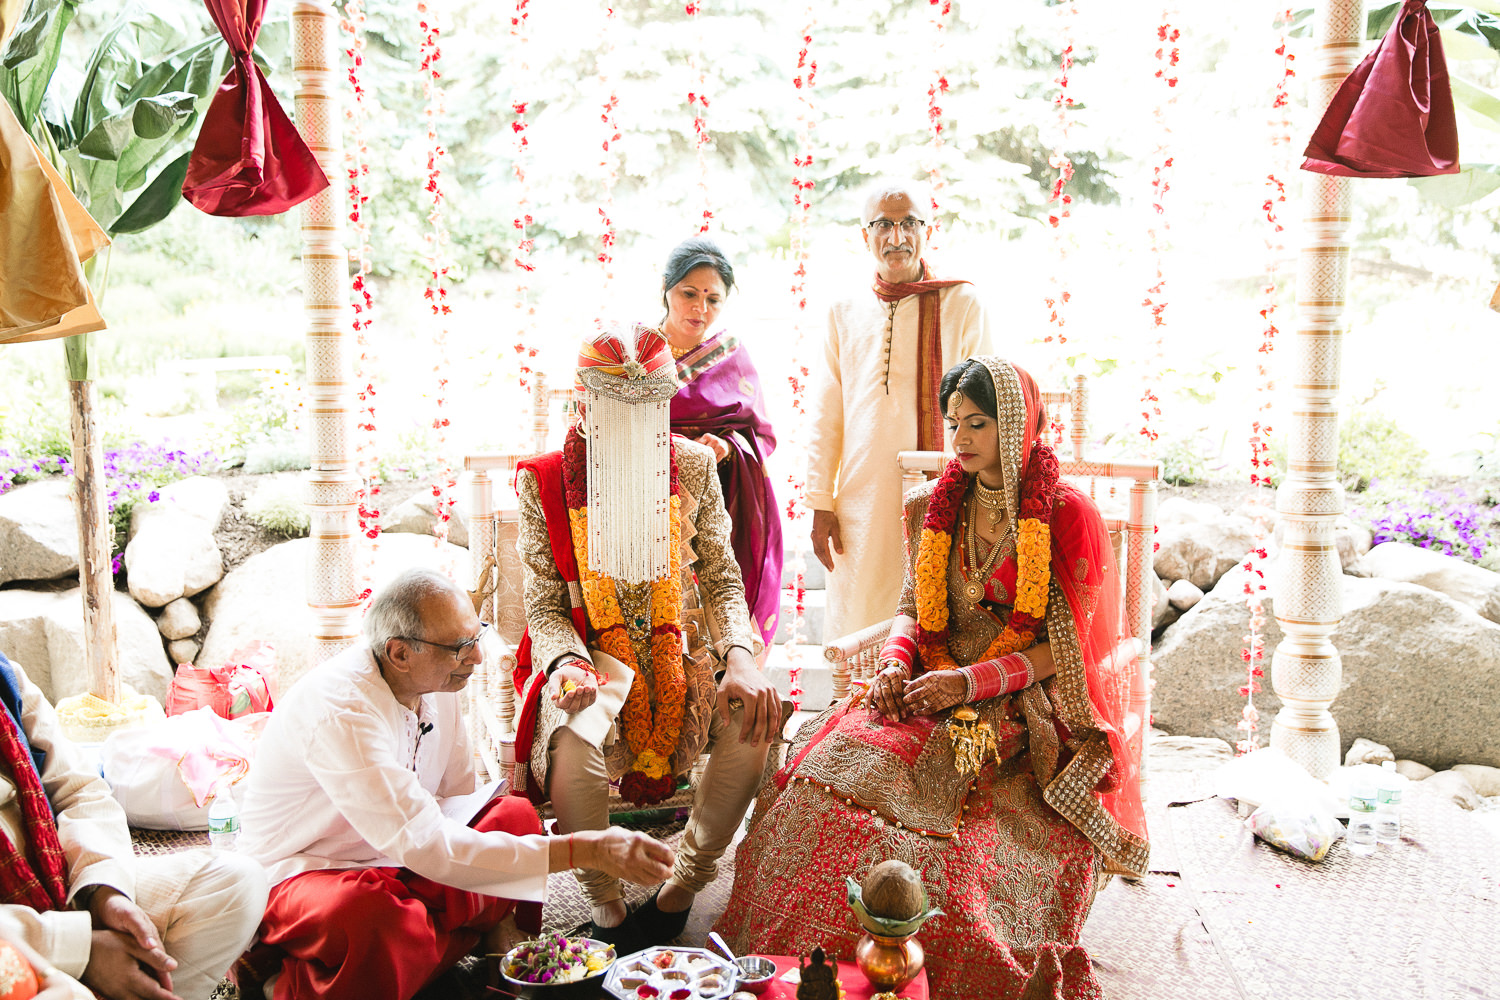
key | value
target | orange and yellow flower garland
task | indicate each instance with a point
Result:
(1033, 562)
(651, 736)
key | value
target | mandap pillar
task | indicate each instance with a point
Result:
(333, 483)
(1305, 668)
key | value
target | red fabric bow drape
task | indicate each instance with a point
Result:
(1393, 116)
(250, 159)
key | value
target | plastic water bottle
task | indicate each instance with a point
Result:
(223, 819)
(1388, 805)
(1361, 834)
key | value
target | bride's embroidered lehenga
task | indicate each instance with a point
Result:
(1013, 856)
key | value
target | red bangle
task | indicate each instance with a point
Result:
(900, 647)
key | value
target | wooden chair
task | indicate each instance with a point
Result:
(854, 657)
(494, 527)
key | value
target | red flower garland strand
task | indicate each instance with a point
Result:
(1167, 57)
(1261, 468)
(803, 184)
(935, 90)
(609, 160)
(524, 243)
(438, 265)
(357, 171)
(698, 101)
(1061, 203)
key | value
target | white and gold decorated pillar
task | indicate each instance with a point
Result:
(332, 485)
(1306, 669)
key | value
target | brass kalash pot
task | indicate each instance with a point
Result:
(891, 905)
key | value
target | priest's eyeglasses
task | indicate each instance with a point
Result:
(885, 227)
(459, 650)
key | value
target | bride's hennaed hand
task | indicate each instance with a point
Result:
(885, 692)
(933, 692)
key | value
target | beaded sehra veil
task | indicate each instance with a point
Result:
(625, 382)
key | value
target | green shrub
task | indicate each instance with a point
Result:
(277, 506)
(281, 452)
(1372, 446)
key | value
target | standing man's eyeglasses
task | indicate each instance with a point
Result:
(460, 650)
(885, 227)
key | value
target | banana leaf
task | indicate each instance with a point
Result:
(31, 54)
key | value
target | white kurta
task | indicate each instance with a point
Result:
(864, 411)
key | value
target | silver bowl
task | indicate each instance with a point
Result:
(581, 989)
(754, 974)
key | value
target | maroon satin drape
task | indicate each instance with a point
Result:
(1393, 116)
(249, 159)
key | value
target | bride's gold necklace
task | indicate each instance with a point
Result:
(992, 502)
(979, 574)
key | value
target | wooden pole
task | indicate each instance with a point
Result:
(333, 484)
(1306, 669)
(95, 574)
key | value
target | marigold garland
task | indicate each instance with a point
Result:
(938, 87)
(1060, 203)
(1033, 561)
(803, 183)
(1167, 57)
(1254, 650)
(357, 169)
(651, 735)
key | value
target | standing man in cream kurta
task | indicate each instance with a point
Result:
(887, 348)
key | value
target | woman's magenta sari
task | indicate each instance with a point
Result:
(721, 395)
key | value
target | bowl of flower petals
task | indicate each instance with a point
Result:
(556, 967)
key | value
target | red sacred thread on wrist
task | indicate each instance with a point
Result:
(570, 850)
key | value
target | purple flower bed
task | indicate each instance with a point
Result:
(133, 474)
(1453, 521)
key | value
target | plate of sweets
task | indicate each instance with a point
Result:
(671, 974)
(557, 967)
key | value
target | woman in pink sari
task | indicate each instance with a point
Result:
(989, 752)
(721, 405)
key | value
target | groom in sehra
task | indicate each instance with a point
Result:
(640, 652)
(876, 395)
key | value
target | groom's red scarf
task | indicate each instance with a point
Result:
(929, 349)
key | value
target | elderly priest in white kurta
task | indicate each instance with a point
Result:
(377, 889)
(875, 396)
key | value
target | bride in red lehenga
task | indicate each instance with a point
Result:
(1010, 573)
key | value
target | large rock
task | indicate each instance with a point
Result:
(200, 496)
(417, 514)
(1414, 770)
(265, 598)
(1183, 595)
(1455, 787)
(1199, 542)
(1162, 612)
(43, 631)
(38, 532)
(173, 554)
(183, 650)
(1419, 671)
(1463, 581)
(1365, 751)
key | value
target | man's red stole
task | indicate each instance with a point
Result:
(531, 679)
(929, 349)
(37, 882)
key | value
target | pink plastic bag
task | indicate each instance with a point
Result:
(240, 687)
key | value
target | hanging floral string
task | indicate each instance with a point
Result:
(357, 171)
(437, 258)
(803, 183)
(1261, 466)
(609, 160)
(1060, 204)
(935, 90)
(698, 101)
(1155, 303)
(522, 221)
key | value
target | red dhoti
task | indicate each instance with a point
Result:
(370, 933)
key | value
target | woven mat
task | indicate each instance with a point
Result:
(1420, 921)
(148, 842)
